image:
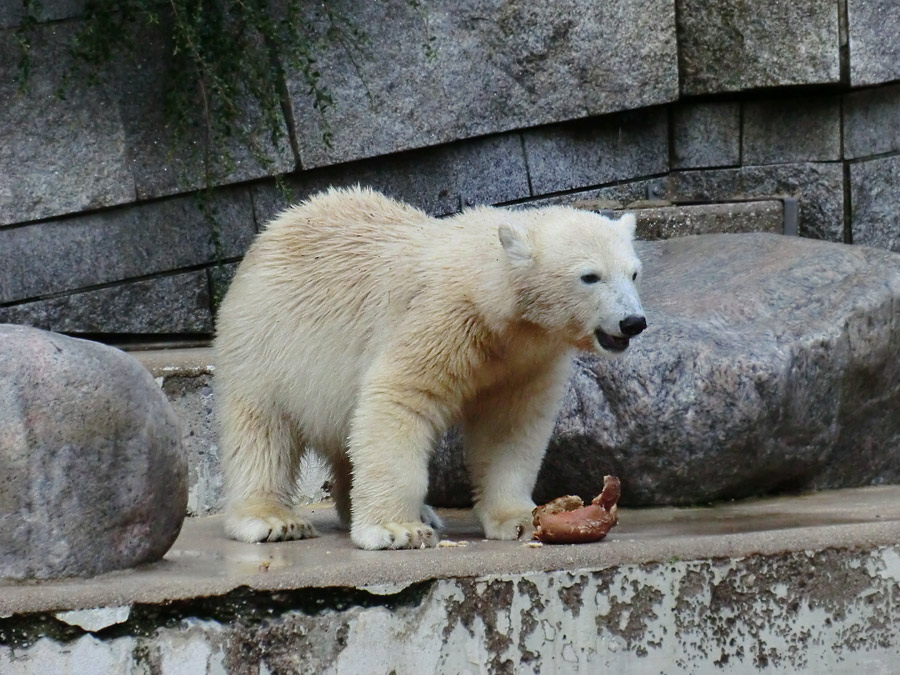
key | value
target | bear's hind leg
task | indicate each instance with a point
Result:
(261, 453)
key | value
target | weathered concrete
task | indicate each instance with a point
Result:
(425, 75)
(805, 584)
(92, 475)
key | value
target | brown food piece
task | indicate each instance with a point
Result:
(566, 520)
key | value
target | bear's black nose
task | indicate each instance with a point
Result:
(632, 325)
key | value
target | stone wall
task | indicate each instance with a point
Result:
(446, 105)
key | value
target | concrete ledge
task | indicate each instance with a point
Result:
(203, 562)
(793, 584)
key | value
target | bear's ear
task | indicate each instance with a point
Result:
(514, 240)
(628, 222)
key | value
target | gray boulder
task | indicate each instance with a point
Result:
(92, 472)
(770, 363)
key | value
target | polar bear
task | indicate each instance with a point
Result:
(362, 328)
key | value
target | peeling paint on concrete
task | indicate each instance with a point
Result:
(95, 619)
(833, 610)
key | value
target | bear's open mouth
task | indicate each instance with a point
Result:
(611, 342)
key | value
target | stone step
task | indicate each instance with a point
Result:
(805, 584)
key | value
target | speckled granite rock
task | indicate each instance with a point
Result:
(770, 363)
(428, 73)
(92, 472)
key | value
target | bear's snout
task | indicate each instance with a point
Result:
(632, 325)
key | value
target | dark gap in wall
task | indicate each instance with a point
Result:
(785, 163)
(527, 165)
(848, 224)
(679, 60)
(670, 127)
(124, 206)
(586, 188)
(845, 168)
(254, 210)
(287, 110)
(867, 158)
(843, 43)
(133, 342)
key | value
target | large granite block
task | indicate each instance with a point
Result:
(72, 253)
(177, 304)
(875, 200)
(872, 122)
(438, 180)
(819, 187)
(770, 363)
(874, 48)
(57, 155)
(706, 134)
(592, 152)
(428, 74)
(796, 129)
(732, 45)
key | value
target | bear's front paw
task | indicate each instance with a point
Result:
(269, 523)
(393, 536)
(508, 524)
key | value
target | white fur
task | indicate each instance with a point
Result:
(363, 328)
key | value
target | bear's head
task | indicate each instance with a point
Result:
(574, 273)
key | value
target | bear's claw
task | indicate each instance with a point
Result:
(258, 525)
(394, 536)
(512, 527)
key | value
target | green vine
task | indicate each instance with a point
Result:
(225, 58)
(227, 62)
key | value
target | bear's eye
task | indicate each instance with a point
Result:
(634, 277)
(590, 278)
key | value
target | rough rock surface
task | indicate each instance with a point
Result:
(876, 202)
(874, 51)
(732, 45)
(489, 67)
(92, 472)
(770, 363)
